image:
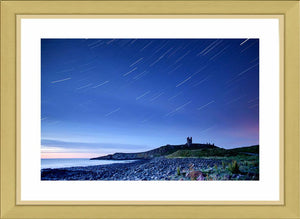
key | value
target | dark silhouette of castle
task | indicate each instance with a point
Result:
(189, 141)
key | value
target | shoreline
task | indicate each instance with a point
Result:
(150, 169)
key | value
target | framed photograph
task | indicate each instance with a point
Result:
(150, 109)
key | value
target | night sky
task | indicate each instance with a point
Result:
(103, 96)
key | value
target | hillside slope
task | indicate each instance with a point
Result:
(157, 152)
(216, 152)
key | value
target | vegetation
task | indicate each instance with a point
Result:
(233, 170)
(234, 167)
(232, 164)
(223, 165)
(252, 149)
(216, 152)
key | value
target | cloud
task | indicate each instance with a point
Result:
(54, 146)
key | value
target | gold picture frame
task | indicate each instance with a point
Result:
(11, 207)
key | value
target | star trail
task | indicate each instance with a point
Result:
(115, 95)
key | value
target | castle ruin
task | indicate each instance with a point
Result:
(189, 141)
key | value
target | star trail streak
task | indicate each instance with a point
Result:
(137, 61)
(127, 73)
(65, 79)
(114, 111)
(144, 94)
(244, 42)
(105, 82)
(178, 108)
(181, 83)
(205, 105)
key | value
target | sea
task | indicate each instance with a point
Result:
(76, 162)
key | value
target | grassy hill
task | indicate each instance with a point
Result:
(251, 149)
(173, 151)
(216, 152)
(157, 152)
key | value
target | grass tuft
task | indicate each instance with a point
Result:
(234, 167)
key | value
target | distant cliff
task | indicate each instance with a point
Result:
(157, 152)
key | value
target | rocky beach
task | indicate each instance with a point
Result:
(160, 168)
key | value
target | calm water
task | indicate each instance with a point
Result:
(76, 162)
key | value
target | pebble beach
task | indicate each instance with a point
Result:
(148, 169)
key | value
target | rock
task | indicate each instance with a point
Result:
(194, 175)
(200, 177)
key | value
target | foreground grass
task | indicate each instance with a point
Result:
(237, 164)
(216, 152)
(229, 170)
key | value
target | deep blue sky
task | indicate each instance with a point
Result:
(107, 95)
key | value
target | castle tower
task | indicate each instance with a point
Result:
(189, 141)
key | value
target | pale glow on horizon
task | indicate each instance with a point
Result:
(68, 155)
